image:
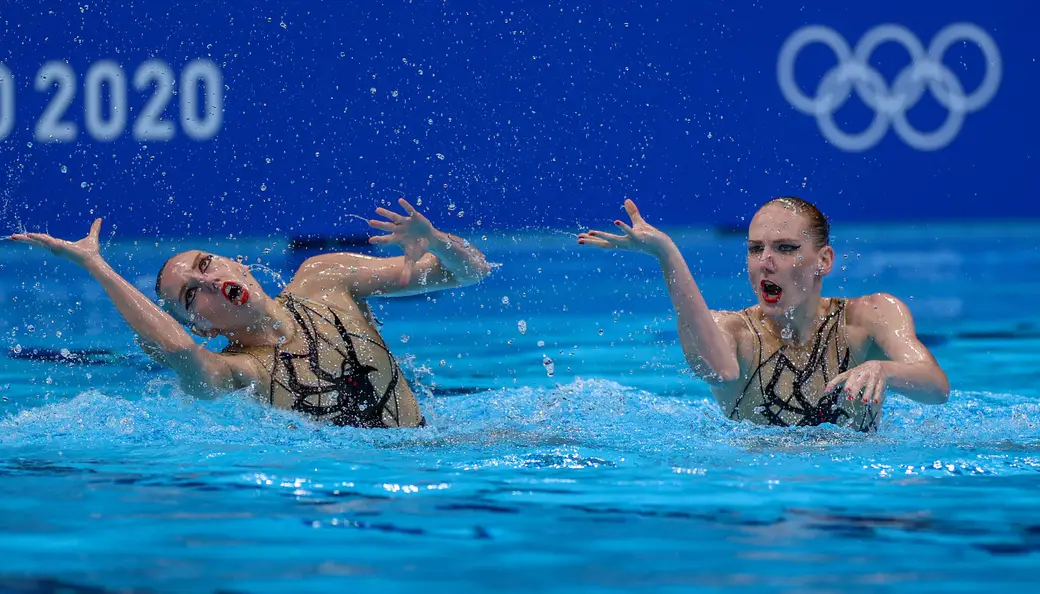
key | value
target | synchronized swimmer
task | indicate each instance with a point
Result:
(795, 358)
(314, 348)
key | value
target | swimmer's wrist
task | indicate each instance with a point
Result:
(667, 252)
(439, 241)
(96, 265)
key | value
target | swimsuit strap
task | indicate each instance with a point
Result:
(744, 315)
(356, 399)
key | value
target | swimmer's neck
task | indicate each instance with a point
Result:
(275, 326)
(801, 320)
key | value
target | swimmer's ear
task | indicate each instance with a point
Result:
(826, 261)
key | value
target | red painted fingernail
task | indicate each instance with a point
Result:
(581, 241)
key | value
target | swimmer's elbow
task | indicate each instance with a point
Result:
(941, 390)
(937, 393)
(942, 395)
(934, 397)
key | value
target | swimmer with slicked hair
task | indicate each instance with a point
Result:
(795, 358)
(314, 348)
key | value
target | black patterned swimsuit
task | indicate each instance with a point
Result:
(330, 381)
(785, 393)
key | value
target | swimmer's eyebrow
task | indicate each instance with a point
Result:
(184, 287)
(781, 240)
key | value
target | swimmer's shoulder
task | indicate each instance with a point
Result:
(868, 310)
(869, 316)
(321, 280)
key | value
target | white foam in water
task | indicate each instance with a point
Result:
(584, 414)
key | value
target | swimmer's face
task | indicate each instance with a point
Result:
(208, 292)
(784, 266)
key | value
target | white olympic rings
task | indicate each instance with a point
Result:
(890, 104)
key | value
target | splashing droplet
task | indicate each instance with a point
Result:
(550, 367)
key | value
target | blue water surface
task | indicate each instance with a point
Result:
(569, 448)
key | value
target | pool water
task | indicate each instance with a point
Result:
(568, 449)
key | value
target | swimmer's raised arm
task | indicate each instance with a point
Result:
(432, 259)
(710, 351)
(910, 368)
(202, 372)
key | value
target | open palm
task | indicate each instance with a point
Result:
(639, 237)
(412, 232)
(75, 251)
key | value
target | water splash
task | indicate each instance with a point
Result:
(983, 432)
(356, 216)
(270, 272)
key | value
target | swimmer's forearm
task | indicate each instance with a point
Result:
(151, 323)
(465, 262)
(922, 382)
(703, 342)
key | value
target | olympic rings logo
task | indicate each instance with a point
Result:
(890, 104)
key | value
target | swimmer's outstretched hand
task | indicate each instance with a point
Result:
(80, 252)
(639, 237)
(413, 233)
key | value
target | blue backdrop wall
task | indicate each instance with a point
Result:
(254, 118)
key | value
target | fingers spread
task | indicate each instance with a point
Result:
(44, 240)
(854, 387)
(407, 207)
(624, 227)
(879, 391)
(868, 392)
(837, 381)
(393, 216)
(31, 240)
(382, 225)
(607, 236)
(595, 242)
(633, 212)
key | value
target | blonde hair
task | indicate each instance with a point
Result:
(819, 227)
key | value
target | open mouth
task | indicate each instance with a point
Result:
(234, 292)
(771, 291)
